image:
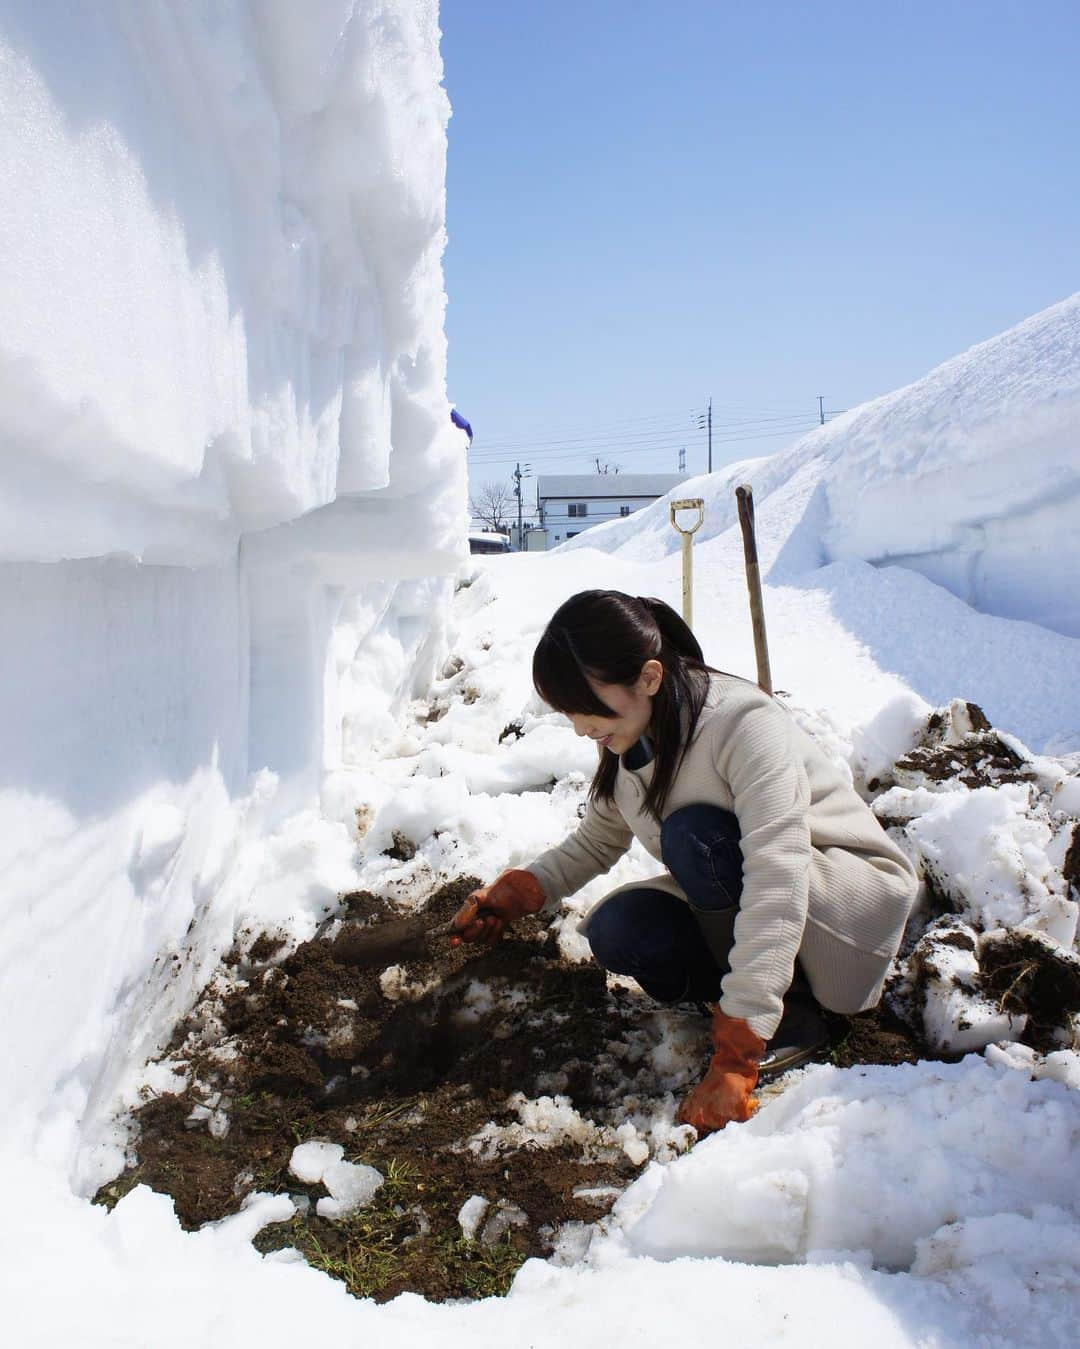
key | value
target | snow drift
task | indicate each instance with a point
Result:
(223, 436)
(971, 476)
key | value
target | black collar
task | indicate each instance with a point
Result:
(638, 755)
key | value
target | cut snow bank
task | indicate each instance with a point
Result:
(872, 1160)
(970, 476)
(230, 494)
(956, 1175)
(219, 270)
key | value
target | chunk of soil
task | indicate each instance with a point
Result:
(877, 1036)
(1071, 866)
(401, 849)
(983, 759)
(265, 946)
(1026, 973)
(417, 1063)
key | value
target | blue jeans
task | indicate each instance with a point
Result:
(675, 950)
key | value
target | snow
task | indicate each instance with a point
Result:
(1000, 849)
(352, 1186)
(472, 1214)
(873, 1160)
(221, 269)
(231, 500)
(310, 1160)
(232, 512)
(969, 476)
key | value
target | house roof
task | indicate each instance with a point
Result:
(583, 486)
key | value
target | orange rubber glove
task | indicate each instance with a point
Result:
(487, 913)
(724, 1093)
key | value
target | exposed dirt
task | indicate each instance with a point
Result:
(388, 1040)
(983, 760)
(877, 1036)
(1023, 972)
(1071, 867)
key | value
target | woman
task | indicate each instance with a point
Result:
(770, 857)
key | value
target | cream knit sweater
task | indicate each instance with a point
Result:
(821, 878)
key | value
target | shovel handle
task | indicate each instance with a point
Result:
(744, 496)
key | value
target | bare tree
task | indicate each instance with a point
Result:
(492, 505)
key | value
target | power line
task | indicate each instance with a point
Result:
(611, 434)
(667, 441)
(681, 416)
(584, 453)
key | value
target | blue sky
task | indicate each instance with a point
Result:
(649, 204)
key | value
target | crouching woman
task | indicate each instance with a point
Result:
(780, 892)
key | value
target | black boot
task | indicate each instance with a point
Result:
(801, 1033)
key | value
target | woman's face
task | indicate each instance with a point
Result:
(631, 705)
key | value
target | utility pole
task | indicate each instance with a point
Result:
(520, 473)
(710, 433)
(821, 407)
(682, 460)
(703, 421)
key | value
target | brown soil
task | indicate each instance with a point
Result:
(1024, 973)
(982, 760)
(1071, 867)
(877, 1036)
(310, 1046)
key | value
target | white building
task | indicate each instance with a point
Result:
(569, 503)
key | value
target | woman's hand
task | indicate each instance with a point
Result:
(724, 1095)
(488, 912)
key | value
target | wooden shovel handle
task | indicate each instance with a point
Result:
(744, 496)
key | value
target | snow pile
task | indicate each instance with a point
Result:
(969, 476)
(909, 1169)
(544, 1123)
(221, 276)
(995, 833)
(230, 495)
(352, 1186)
(869, 1160)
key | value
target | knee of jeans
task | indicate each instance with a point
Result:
(604, 933)
(689, 826)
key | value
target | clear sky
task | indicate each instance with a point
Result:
(650, 204)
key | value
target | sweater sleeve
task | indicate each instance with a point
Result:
(593, 848)
(756, 756)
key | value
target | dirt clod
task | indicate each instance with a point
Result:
(1025, 973)
(1071, 866)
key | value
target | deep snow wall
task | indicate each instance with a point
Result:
(223, 431)
(971, 476)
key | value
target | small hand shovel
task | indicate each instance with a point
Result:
(387, 943)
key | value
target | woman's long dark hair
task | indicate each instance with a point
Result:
(607, 636)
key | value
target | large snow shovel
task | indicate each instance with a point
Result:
(688, 532)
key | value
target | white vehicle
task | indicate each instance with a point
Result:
(488, 541)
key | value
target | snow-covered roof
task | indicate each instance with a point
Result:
(585, 485)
